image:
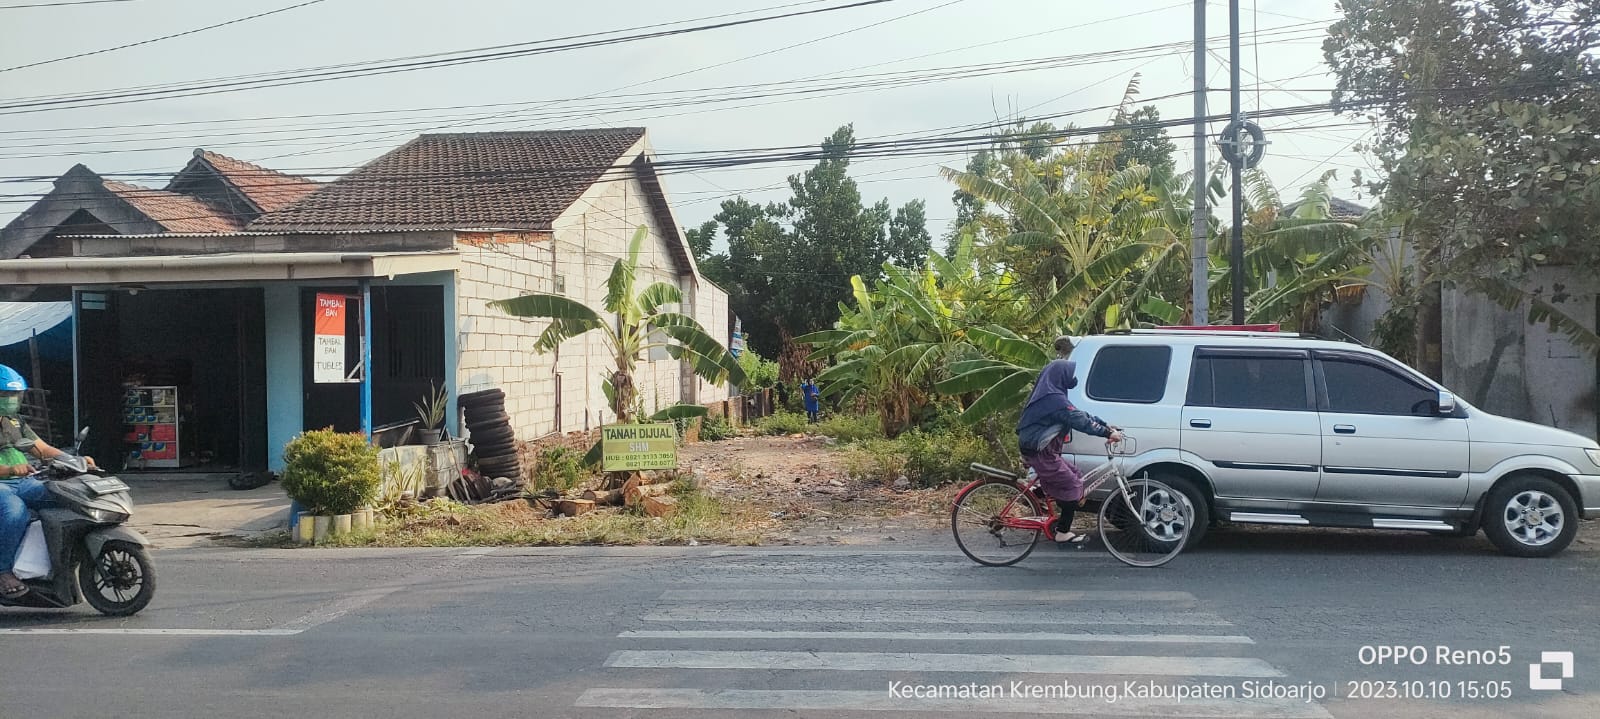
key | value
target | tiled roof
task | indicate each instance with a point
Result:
(269, 189)
(508, 180)
(175, 212)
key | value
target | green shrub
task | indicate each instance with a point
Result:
(877, 460)
(849, 428)
(713, 429)
(330, 473)
(558, 468)
(934, 460)
(783, 423)
(926, 459)
(758, 372)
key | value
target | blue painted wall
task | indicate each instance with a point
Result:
(285, 395)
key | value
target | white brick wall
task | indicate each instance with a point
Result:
(496, 350)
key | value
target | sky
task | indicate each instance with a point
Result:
(578, 88)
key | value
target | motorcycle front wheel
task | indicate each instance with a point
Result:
(120, 581)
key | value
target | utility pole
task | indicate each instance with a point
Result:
(1202, 266)
(1236, 259)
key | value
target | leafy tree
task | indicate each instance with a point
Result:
(639, 321)
(700, 239)
(1487, 140)
(783, 281)
(908, 235)
(1143, 142)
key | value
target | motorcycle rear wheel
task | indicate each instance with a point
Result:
(124, 570)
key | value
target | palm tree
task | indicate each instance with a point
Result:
(641, 324)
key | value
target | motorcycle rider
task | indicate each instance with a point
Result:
(19, 492)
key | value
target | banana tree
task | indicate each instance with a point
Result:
(1001, 378)
(641, 323)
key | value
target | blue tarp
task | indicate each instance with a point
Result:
(52, 321)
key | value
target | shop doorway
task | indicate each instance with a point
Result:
(408, 356)
(174, 380)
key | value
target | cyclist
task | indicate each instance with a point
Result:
(1046, 419)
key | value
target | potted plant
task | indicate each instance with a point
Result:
(431, 412)
(332, 475)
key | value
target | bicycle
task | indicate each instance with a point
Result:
(1143, 522)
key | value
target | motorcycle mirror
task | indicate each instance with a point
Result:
(83, 434)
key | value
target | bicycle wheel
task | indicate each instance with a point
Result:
(977, 519)
(1146, 526)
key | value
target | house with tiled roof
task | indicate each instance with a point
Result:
(273, 304)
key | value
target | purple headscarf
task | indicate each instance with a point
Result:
(1050, 391)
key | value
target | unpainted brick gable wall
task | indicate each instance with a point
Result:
(496, 350)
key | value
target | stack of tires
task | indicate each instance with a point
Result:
(489, 431)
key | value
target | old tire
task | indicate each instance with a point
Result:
(481, 397)
(492, 435)
(492, 421)
(1528, 515)
(122, 568)
(1200, 507)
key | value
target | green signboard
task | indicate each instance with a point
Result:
(639, 446)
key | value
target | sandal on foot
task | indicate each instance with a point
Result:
(1070, 538)
(16, 590)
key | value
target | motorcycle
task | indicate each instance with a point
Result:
(88, 554)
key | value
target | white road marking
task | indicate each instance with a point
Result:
(943, 636)
(357, 600)
(974, 595)
(63, 631)
(966, 663)
(900, 615)
(346, 604)
(832, 700)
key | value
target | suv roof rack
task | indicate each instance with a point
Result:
(1224, 331)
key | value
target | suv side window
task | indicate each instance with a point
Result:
(1243, 382)
(1130, 373)
(1365, 388)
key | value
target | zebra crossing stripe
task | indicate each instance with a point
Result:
(916, 662)
(941, 636)
(925, 595)
(829, 700)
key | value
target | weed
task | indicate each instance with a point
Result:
(783, 423)
(714, 429)
(558, 468)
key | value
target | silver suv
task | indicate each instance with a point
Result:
(1273, 428)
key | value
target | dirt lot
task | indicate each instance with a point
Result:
(801, 482)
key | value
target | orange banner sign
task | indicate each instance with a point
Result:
(328, 336)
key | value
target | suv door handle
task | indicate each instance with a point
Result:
(1344, 428)
(1201, 423)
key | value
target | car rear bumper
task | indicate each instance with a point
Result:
(1589, 494)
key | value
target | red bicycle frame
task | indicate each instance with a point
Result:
(1037, 523)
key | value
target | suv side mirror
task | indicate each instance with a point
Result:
(1447, 403)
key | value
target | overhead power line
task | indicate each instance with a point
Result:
(305, 116)
(159, 39)
(388, 66)
(59, 4)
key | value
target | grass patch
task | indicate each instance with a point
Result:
(783, 423)
(926, 459)
(700, 518)
(849, 428)
(846, 428)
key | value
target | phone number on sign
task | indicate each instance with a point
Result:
(1418, 689)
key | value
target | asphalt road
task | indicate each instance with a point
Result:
(1248, 625)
